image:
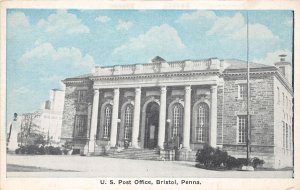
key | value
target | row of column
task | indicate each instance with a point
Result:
(162, 118)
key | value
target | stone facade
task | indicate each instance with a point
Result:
(181, 105)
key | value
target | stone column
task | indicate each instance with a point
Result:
(114, 122)
(213, 117)
(94, 122)
(162, 117)
(136, 118)
(187, 118)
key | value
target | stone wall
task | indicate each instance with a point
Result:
(283, 113)
(72, 108)
(220, 112)
(261, 110)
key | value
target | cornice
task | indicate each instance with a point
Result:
(285, 83)
(155, 75)
(76, 81)
(270, 71)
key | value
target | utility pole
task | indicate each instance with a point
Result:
(248, 94)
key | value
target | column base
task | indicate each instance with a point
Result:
(137, 147)
(186, 154)
(185, 149)
(90, 154)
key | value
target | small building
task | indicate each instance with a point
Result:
(51, 115)
(48, 120)
(183, 105)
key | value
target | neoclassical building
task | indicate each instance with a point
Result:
(183, 105)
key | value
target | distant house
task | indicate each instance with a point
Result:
(47, 121)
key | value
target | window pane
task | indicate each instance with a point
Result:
(177, 119)
(242, 126)
(107, 121)
(80, 125)
(242, 90)
(202, 123)
(128, 122)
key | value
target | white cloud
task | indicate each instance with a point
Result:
(227, 24)
(289, 22)
(22, 90)
(17, 21)
(160, 39)
(102, 19)
(124, 25)
(62, 21)
(228, 27)
(256, 32)
(46, 52)
(197, 16)
(273, 57)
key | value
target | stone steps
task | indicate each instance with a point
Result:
(139, 154)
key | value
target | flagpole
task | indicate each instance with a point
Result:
(248, 94)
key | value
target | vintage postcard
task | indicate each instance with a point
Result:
(185, 95)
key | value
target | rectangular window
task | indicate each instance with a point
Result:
(283, 134)
(80, 125)
(81, 95)
(282, 99)
(286, 136)
(287, 103)
(242, 91)
(282, 70)
(290, 137)
(242, 128)
(278, 95)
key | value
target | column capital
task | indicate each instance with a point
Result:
(163, 89)
(96, 90)
(187, 88)
(116, 90)
(213, 88)
(138, 89)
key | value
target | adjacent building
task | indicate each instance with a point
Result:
(48, 120)
(51, 115)
(183, 105)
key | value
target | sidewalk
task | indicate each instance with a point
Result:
(81, 166)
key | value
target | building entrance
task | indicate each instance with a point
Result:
(151, 127)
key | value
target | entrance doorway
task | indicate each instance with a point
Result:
(151, 127)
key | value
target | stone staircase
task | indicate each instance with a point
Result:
(133, 153)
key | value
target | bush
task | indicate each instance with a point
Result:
(231, 162)
(257, 162)
(53, 150)
(36, 150)
(216, 158)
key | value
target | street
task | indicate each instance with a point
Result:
(81, 166)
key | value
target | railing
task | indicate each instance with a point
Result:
(160, 67)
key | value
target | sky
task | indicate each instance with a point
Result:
(47, 46)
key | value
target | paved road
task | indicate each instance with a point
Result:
(80, 166)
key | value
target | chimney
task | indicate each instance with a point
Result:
(282, 57)
(284, 67)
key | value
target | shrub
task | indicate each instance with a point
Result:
(36, 150)
(215, 158)
(231, 162)
(53, 150)
(257, 162)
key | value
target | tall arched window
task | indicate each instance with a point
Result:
(128, 121)
(107, 121)
(177, 116)
(202, 123)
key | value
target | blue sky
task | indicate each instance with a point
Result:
(46, 46)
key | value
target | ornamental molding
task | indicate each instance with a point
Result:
(76, 81)
(154, 75)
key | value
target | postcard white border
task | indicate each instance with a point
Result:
(210, 183)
